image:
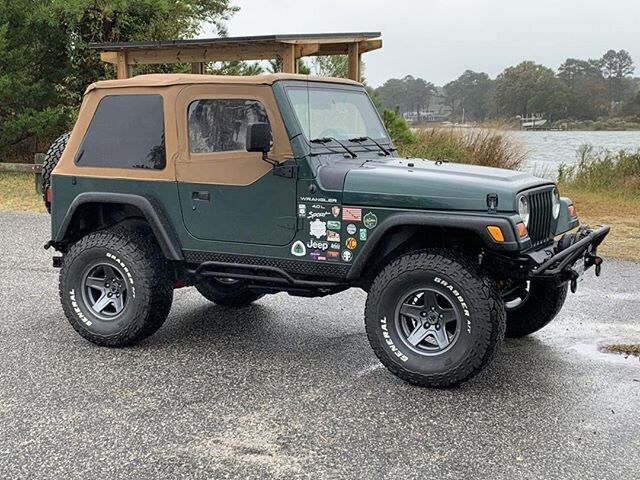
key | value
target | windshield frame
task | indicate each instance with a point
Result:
(332, 147)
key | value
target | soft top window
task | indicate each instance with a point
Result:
(127, 131)
(221, 125)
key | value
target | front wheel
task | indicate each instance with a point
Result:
(534, 307)
(433, 318)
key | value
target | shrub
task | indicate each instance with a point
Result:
(491, 147)
(602, 170)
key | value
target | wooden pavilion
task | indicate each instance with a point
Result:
(197, 52)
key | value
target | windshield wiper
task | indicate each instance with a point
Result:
(324, 140)
(364, 139)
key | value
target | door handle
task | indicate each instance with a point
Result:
(204, 196)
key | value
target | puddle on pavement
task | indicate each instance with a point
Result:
(600, 352)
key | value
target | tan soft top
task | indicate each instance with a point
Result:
(168, 79)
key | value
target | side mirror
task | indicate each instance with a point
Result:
(258, 137)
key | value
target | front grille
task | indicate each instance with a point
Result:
(542, 225)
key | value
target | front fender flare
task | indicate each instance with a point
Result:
(153, 213)
(474, 223)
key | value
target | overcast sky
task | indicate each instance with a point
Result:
(438, 39)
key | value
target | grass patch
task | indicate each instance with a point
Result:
(619, 211)
(17, 192)
(603, 171)
(623, 349)
(489, 147)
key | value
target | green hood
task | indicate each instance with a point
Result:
(425, 184)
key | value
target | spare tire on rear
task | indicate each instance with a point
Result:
(51, 159)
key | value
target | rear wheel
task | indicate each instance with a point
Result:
(228, 292)
(433, 318)
(115, 287)
(51, 159)
(534, 306)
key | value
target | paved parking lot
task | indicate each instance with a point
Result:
(289, 388)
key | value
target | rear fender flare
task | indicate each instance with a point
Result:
(162, 230)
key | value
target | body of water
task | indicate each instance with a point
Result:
(546, 151)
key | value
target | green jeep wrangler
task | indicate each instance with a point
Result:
(247, 186)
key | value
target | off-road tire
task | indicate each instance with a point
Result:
(149, 279)
(478, 340)
(541, 305)
(228, 295)
(51, 159)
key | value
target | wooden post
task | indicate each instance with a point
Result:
(38, 160)
(197, 67)
(121, 65)
(353, 62)
(289, 59)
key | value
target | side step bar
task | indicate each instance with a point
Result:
(262, 275)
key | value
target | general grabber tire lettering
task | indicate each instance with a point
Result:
(227, 292)
(115, 287)
(50, 161)
(434, 318)
(543, 302)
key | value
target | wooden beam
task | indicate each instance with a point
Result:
(308, 50)
(122, 66)
(109, 57)
(289, 60)
(195, 55)
(353, 62)
(20, 167)
(369, 45)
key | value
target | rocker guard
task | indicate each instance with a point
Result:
(560, 264)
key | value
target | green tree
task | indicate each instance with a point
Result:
(616, 68)
(409, 94)
(531, 88)
(275, 66)
(471, 92)
(584, 79)
(331, 66)
(46, 63)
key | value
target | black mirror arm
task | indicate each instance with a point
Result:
(266, 158)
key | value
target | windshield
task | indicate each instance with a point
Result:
(342, 114)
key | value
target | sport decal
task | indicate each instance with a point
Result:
(370, 220)
(352, 214)
(318, 228)
(298, 249)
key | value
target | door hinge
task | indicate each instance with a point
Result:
(287, 171)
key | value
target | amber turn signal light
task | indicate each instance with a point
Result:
(521, 229)
(572, 211)
(496, 233)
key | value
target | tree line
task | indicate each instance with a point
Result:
(578, 90)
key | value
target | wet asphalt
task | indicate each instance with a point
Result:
(289, 388)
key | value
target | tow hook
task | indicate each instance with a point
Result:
(574, 281)
(595, 261)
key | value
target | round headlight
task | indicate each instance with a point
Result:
(523, 210)
(555, 199)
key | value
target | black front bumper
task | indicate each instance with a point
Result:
(562, 260)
